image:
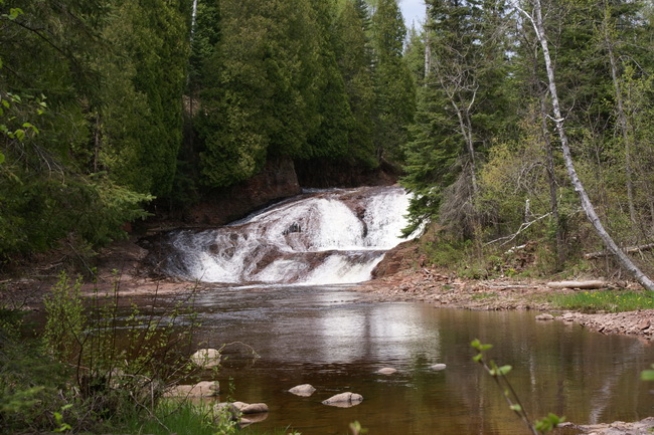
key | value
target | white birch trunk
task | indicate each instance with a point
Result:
(624, 261)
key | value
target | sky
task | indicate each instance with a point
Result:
(413, 11)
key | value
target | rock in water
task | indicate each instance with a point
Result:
(251, 408)
(206, 358)
(387, 371)
(344, 400)
(304, 390)
(438, 367)
(201, 389)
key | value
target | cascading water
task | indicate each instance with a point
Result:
(326, 237)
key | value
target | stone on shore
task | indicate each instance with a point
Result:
(201, 389)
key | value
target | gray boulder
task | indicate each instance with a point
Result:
(344, 400)
(206, 358)
(201, 389)
(304, 390)
(251, 408)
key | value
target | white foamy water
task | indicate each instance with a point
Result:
(331, 237)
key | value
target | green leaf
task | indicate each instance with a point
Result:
(478, 357)
(516, 408)
(548, 423)
(504, 370)
(14, 13)
(20, 134)
(647, 375)
(6, 104)
(2, 158)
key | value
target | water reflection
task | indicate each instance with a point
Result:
(336, 340)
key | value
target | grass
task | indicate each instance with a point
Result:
(179, 417)
(613, 301)
(189, 418)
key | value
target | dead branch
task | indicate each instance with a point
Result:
(523, 227)
(593, 284)
(627, 250)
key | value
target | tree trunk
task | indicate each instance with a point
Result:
(621, 257)
(554, 201)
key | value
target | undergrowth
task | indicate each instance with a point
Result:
(95, 366)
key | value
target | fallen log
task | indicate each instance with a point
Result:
(627, 250)
(592, 284)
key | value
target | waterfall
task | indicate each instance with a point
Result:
(322, 237)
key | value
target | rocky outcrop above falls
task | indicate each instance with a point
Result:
(325, 173)
(277, 180)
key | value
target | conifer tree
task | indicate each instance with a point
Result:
(260, 98)
(354, 55)
(394, 86)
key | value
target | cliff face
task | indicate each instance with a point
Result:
(281, 178)
(276, 181)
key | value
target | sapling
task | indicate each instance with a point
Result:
(542, 426)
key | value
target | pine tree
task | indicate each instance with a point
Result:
(354, 55)
(331, 139)
(394, 86)
(260, 99)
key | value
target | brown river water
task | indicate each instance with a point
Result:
(336, 340)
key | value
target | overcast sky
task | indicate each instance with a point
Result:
(413, 11)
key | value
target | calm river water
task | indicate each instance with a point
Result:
(335, 339)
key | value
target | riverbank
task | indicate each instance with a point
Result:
(438, 289)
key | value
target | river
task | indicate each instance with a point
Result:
(307, 326)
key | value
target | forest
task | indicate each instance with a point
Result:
(112, 111)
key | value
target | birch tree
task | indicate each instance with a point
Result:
(535, 16)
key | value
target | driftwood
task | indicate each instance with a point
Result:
(592, 284)
(627, 250)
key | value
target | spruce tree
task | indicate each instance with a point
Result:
(394, 86)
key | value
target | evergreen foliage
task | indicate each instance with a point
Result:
(395, 99)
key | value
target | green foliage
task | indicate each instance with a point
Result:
(395, 93)
(65, 319)
(614, 301)
(29, 379)
(260, 91)
(182, 417)
(498, 373)
(353, 52)
(114, 383)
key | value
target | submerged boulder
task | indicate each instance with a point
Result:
(304, 390)
(344, 400)
(387, 371)
(438, 367)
